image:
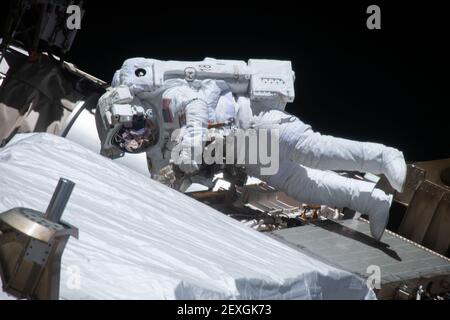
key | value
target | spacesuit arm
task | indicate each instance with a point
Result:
(192, 140)
(194, 102)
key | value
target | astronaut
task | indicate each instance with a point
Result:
(150, 99)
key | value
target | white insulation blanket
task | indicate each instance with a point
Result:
(142, 240)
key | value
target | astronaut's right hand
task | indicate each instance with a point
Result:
(189, 168)
(183, 159)
(187, 164)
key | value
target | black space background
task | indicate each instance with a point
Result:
(389, 85)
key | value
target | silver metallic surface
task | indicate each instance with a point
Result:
(59, 200)
(31, 247)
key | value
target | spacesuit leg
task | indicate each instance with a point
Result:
(299, 143)
(319, 187)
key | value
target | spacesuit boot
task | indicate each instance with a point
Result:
(377, 208)
(394, 168)
(299, 143)
(319, 187)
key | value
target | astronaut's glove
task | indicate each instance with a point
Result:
(185, 164)
(189, 168)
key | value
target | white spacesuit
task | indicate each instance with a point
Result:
(191, 96)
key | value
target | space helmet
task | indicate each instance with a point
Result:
(141, 133)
